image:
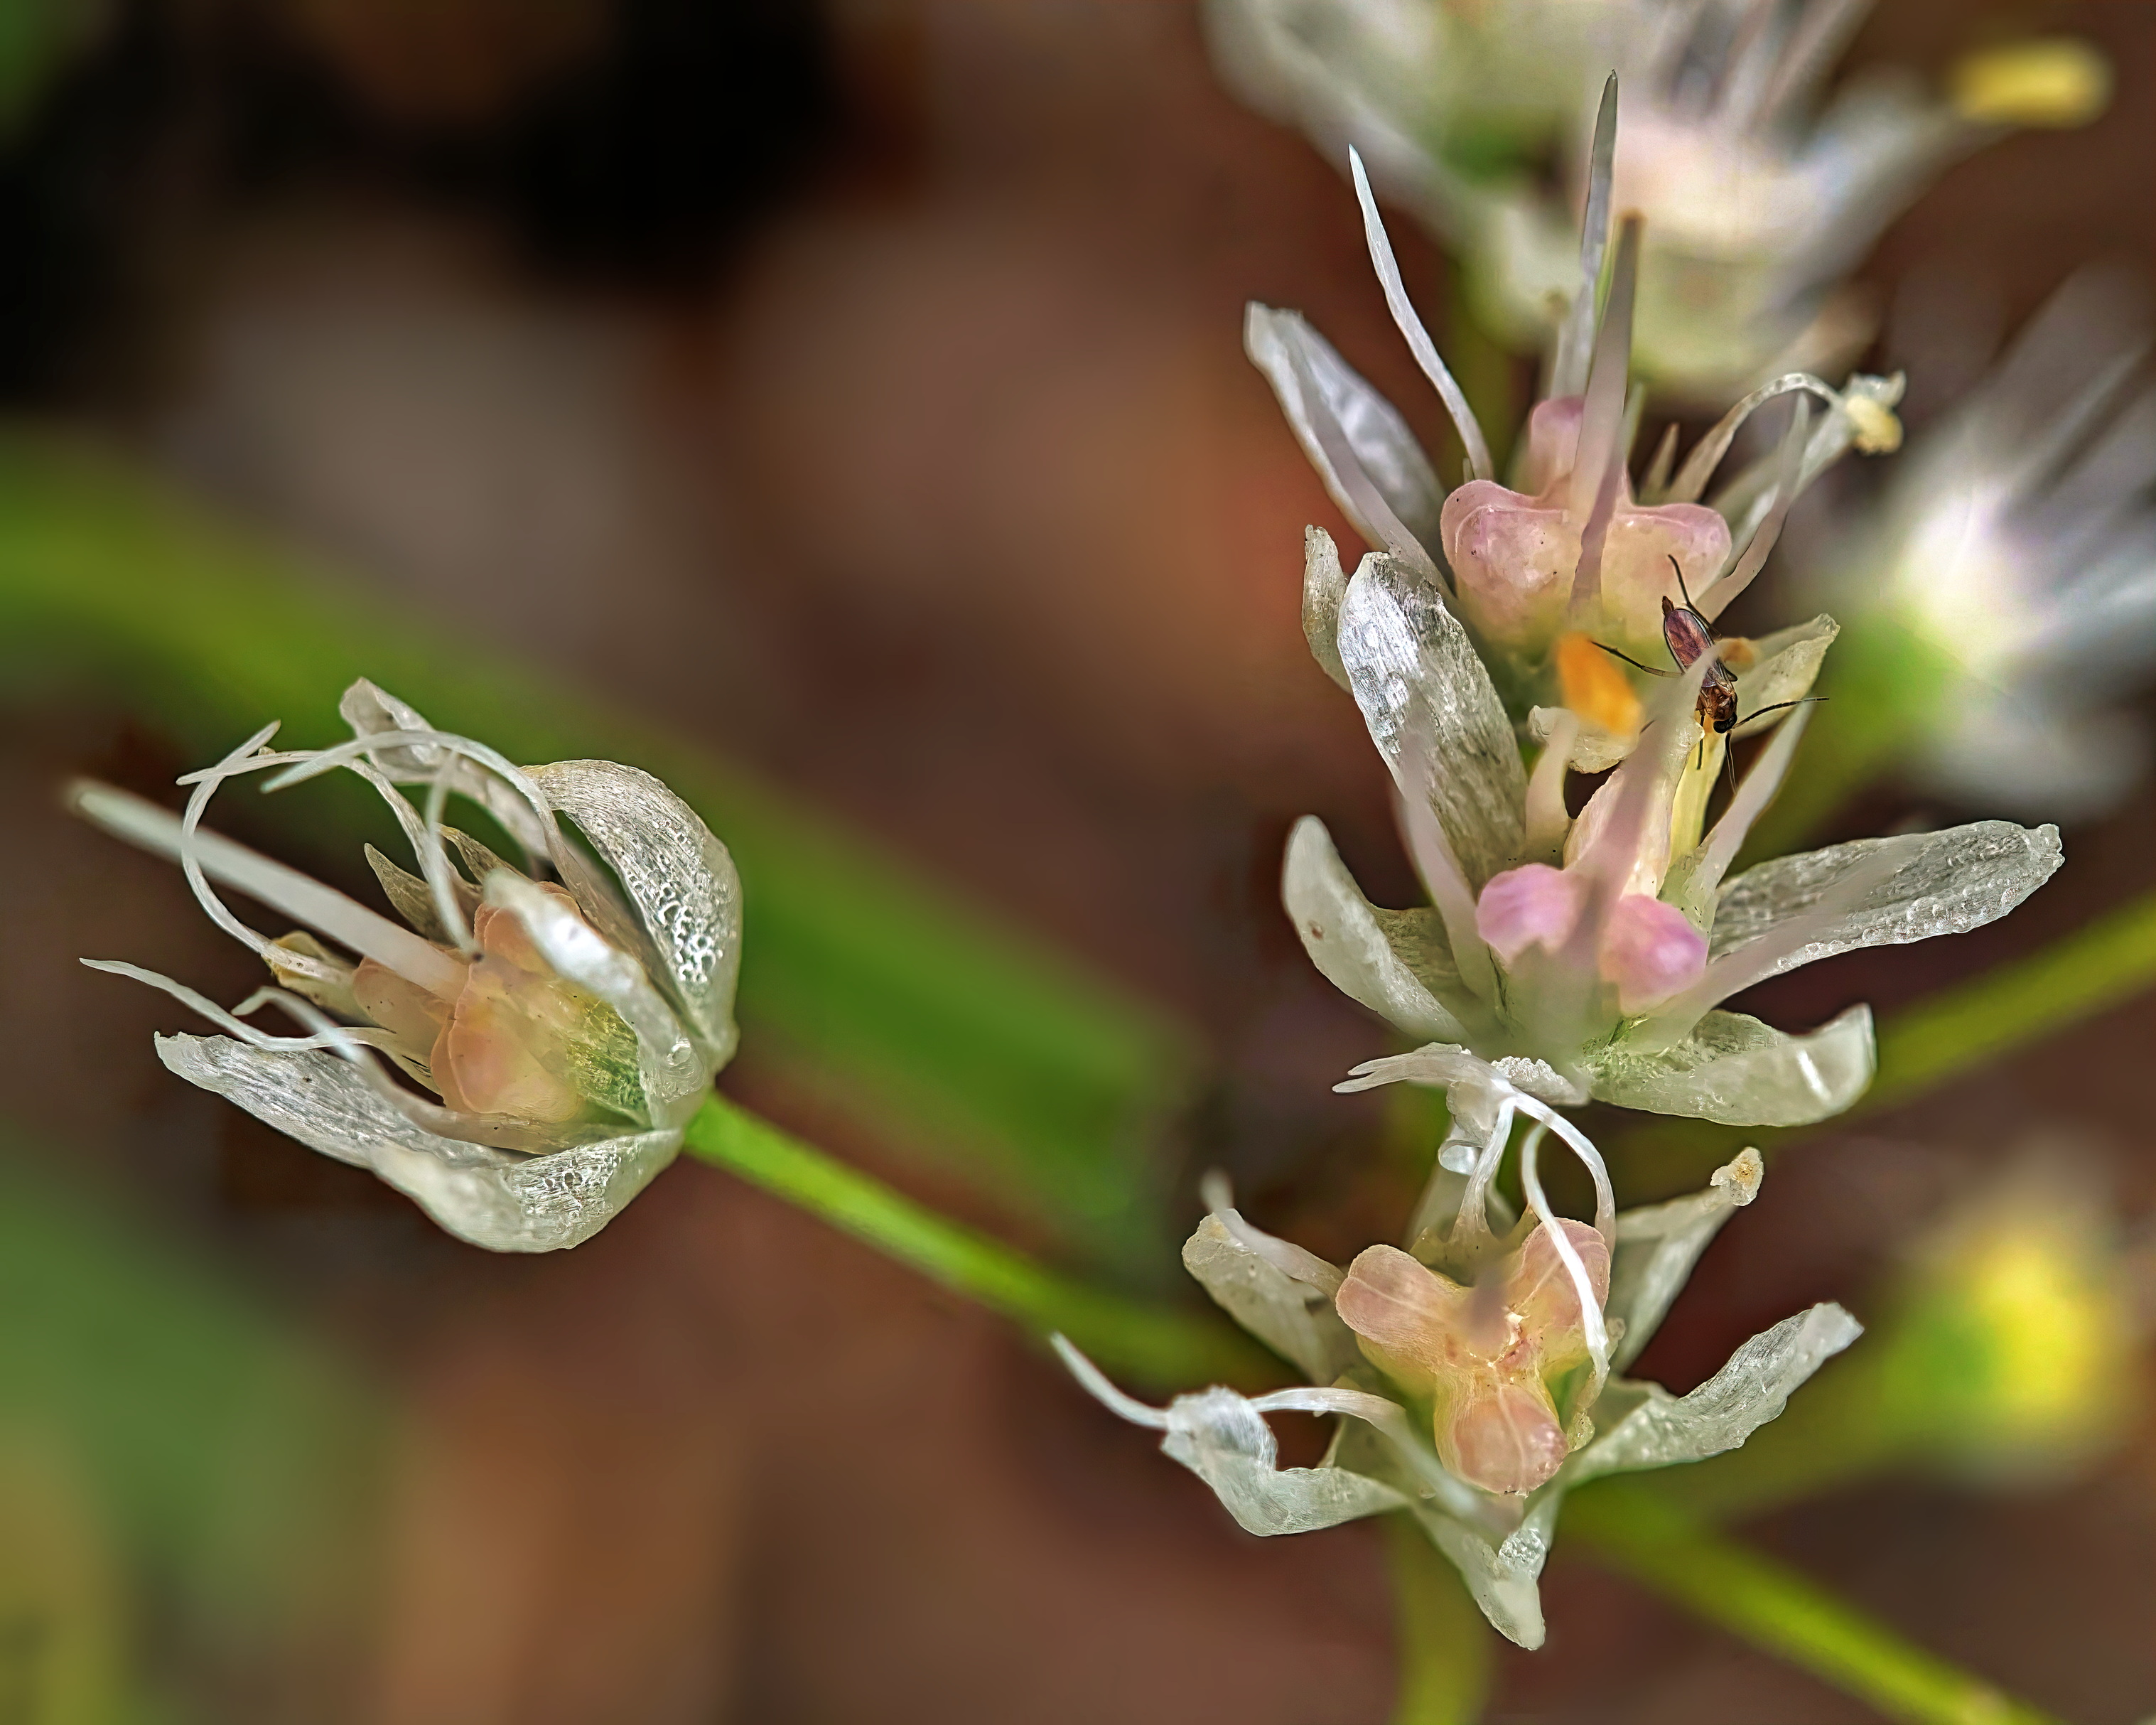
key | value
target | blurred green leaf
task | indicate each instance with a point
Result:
(217, 1461)
(1045, 1087)
(1446, 1646)
(37, 37)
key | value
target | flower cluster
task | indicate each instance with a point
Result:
(1759, 198)
(1562, 957)
(557, 1023)
(1476, 1373)
(1597, 948)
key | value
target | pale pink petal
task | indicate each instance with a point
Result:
(1636, 572)
(1512, 559)
(1404, 1314)
(1502, 1436)
(1651, 951)
(1539, 1288)
(1552, 442)
(1534, 905)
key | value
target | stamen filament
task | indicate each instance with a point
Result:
(1597, 1332)
(143, 824)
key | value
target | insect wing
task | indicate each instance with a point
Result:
(1687, 633)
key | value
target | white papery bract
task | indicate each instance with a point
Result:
(1759, 199)
(2017, 543)
(1479, 1439)
(563, 1019)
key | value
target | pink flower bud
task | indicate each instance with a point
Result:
(1515, 553)
(1651, 951)
(1503, 1436)
(1534, 905)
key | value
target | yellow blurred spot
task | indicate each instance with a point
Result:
(2058, 1336)
(2055, 81)
(1878, 432)
(1595, 687)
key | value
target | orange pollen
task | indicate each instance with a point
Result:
(1595, 686)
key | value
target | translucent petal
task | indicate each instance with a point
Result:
(675, 1072)
(1386, 459)
(1427, 699)
(1788, 664)
(1754, 1388)
(1940, 883)
(1395, 962)
(1455, 1068)
(678, 878)
(489, 1197)
(413, 900)
(1737, 1071)
(1411, 325)
(1593, 749)
(1223, 1438)
(370, 711)
(1657, 1245)
(1324, 585)
(1294, 1318)
(1501, 1575)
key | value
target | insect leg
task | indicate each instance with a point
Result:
(1635, 663)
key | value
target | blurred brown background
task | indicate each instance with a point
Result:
(858, 386)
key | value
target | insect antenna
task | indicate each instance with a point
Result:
(1682, 588)
(1778, 707)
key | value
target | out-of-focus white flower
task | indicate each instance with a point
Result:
(1474, 1373)
(1758, 199)
(568, 1014)
(2017, 545)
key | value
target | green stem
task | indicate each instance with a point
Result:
(1444, 1645)
(2099, 965)
(1156, 1345)
(1643, 1533)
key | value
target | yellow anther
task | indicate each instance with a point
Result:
(1877, 431)
(2053, 81)
(1594, 686)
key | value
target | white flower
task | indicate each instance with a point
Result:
(1603, 946)
(1600, 947)
(1577, 549)
(1474, 1373)
(1758, 199)
(568, 1014)
(2018, 546)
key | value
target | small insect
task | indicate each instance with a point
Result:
(1687, 635)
